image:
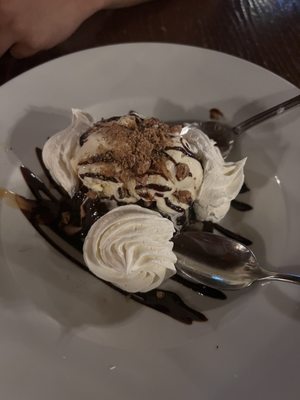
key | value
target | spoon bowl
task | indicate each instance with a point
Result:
(221, 133)
(220, 262)
(225, 136)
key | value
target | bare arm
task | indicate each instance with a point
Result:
(28, 26)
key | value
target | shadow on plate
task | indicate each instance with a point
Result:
(62, 291)
(33, 129)
(282, 300)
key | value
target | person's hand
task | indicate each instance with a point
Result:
(28, 26)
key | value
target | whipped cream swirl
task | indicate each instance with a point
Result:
(222, 180)
(60, 149)
(130, 247)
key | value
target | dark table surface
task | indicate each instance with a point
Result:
(266, 32)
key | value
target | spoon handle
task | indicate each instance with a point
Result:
(291, 278)
(271, 112)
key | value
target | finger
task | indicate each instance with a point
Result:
(20, 50)
(6, 41)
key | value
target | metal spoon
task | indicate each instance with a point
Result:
(225, 135)
(220, 262)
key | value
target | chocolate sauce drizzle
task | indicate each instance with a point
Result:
(154, 186)
(57, 187)
(98, 176)
(240, 206)
(161, 300)
(170, 158)
(84, 137)
(201, 289)
(244, 188)
(232, 235)
(183, 150)
(171, 304)
(173, 206)
(47, 209)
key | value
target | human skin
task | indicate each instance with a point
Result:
(29, 26)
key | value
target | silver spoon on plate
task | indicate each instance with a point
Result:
(225, 136)
(220, 262)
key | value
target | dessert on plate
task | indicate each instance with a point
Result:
(134, 183)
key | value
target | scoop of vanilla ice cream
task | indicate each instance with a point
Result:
(167, 175)
(130, 247)
(131, 160)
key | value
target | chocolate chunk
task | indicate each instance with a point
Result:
(65, 217)
(184, 196)
(146, 196)
(182, 171)
(91, 195)
(135, 144)
(216, 114)
(175, 128)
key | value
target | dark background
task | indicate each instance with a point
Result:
(266, 32)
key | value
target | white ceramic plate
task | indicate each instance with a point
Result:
(64, 334)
